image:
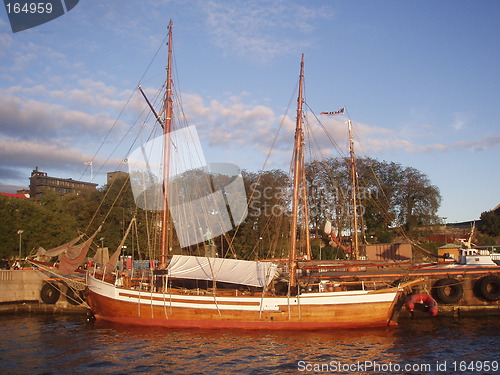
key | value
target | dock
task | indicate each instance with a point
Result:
(459, 291)
(20, 292)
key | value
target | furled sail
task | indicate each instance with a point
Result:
(110, 266)
(252, 273)
(73, 256)
(113, 260)
(56, 251)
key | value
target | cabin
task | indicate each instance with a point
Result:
(388, 252)
(451, 249)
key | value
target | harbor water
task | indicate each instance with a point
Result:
(45, 344)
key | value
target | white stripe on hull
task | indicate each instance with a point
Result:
(236, 303)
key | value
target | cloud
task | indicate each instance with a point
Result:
(10, 188)
(84, 93)
(260, 30)
(231, 121)
(55, 156)
(232, 124)
(28, 61)
(122, 21)
(39, 126)
(5, 43)
(20, 156)
(54, 152)
(377, 146)
(31, 119)
(460, 120)
(58, 129)
(8, 173)
(486, 143)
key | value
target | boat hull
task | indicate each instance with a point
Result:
(307, 312)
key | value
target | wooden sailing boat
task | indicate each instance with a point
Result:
(161, 299)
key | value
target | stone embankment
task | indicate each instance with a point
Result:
(20, 293)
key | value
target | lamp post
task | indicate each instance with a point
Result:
(20, 232)
(445, 239)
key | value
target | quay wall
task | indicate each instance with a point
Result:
(463, 284)
(20, 293)
(472, 303)
(20, 285)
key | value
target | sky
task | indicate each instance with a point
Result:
(420, 81)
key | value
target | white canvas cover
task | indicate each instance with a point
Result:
(235, 271)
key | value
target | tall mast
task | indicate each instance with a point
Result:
(164, 243)
(354, 195)
(297, 175)
(306, 210)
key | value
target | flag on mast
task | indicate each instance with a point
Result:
(340, 111)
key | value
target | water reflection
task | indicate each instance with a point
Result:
(51, 345)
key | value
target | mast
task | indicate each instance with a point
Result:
(354, 194)
(168, 104)
(305, 208)
(297, 175)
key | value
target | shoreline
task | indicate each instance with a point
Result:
(35, 307)
(64, 308)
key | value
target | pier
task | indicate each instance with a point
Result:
(20, 293)
(459, 291)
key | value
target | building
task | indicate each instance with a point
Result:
(40, 183)
(389, 252)
(116, 175)
(450, 250)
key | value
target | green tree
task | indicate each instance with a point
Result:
(265, 231)
(417, 199)
(44, 222)
(490, 223)
(388, 195)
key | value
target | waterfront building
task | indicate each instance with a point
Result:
(41, 183)
(116, 175)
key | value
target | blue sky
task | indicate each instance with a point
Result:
(420, 79)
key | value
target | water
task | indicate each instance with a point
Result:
(72, 345)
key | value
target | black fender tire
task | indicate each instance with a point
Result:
(448, 291)
(74, 298)
(489, 287)
(49, 294)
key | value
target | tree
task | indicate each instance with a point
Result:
(418, 200)
(388, 195)
(376, 193)
(54, 219)
(265, 231)
(44, 222)
(490, 223)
